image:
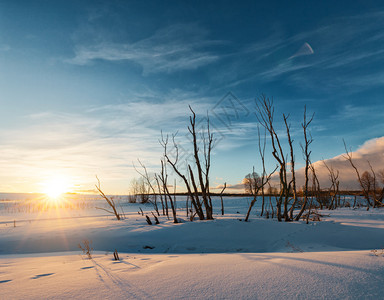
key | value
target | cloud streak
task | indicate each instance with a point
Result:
(328, 58)
(103, 140)
(174, 48)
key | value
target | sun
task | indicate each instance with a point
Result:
(55, 187)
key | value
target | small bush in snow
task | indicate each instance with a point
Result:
(86, 248)
(378, 252)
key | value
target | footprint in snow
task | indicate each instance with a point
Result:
(148, 247)
(42, 275)
(4, 281)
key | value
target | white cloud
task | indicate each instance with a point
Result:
(177, 47)
(372, 151)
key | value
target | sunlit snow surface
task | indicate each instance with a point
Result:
(224, 259)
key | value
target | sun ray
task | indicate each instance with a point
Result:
(55, 187)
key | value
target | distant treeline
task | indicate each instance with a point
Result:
(299, 193)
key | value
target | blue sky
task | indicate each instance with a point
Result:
(86, 86)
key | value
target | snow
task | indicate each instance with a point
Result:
(320, 275)
(226, 258)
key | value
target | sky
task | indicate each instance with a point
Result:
(86, 87)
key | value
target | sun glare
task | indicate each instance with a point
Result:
(55, 187)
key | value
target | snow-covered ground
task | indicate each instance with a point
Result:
(226, 258)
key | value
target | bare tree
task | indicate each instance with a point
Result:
(173, 162)
(292, 183)
(261, 146)
(196, 184)
(306, 153)
(316, 185)
(133, 190)
(265, 117)
(370, 184)
(252, 181)
(376, 195)
(143, 191)
(367, 181)
(203, 174)
(148, 182)
(315, 194)
(348, 157)
(139, 190)
(253, 184)
(381, 178)
(110, 201)
(163, 176)
(334, 189)
(164, 207)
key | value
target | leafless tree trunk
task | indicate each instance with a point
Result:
(376, 199)
(315, 193)
(201, 184)
(221, 198)
(160, 194)
(187, 206)
(148, 220)
(334, 189)
(308, 140)
(293, 179)
(207, 143)
(381, 196)
(163, 176)
(110, 201)
(174, 195)
(348, 156)
(264, 172)
(173, 163)
(316, 185)
(147, 180)
(156, 219)
(265, 117)
(314, 188)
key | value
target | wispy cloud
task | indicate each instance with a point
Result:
(176, 47)
(106, 139)
(337, 50)
(103, 140)
(366, 120)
